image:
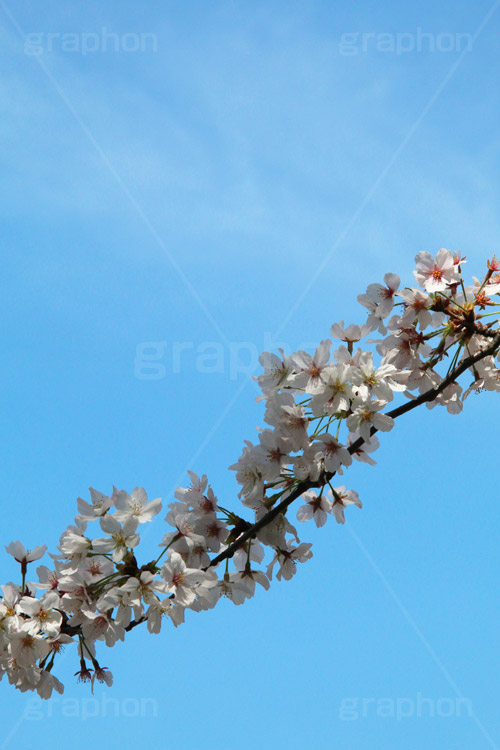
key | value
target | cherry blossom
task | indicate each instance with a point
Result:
(341, 499)
(310, 368)
(417, 305)
(366, 416)
(351, 334)
(276, 371)
(121, 537)
(316, 507)
(100, 504)
(334, 454)
(181, 580)
(136, 506)
(24, 556)
(158, 609)
(336, 393)
(287, 558)
(436, 274)
(379, 299)
(233, 587)
(42, 613)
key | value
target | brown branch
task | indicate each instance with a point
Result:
(265, 520)
(135, 623)
(429, 395)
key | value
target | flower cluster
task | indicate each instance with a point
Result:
(322, 410)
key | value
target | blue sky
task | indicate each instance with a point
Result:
(226, 187)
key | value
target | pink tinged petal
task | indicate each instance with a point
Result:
(85, 509)
(139, 495)
(52, 624)
(304, 513)
(99, 500)
(184, 595)
(47, 683)
(434, 285)
(383, 422)
(37, 553)
(20, 553)
(444, 258)
(338, 513)
(392, 280)
(103, 544)
(110, 525)
(17, 550)
(320, 518)
(323, 353)
(130, 526)
(258, 552)
(176, 562)
(199, 483)
(261, 579)
(133, 540)
(29, 606)
(192, 577)
(337, 330)
(424, 258)
(152, 508)
(154, 619)
(50, 600)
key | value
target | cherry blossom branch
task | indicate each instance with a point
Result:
(251, 530)
(96, 586)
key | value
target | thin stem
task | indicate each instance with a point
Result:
(176, 537)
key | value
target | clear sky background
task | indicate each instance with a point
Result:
(225, 186)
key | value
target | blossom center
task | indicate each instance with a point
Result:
(178, 578)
